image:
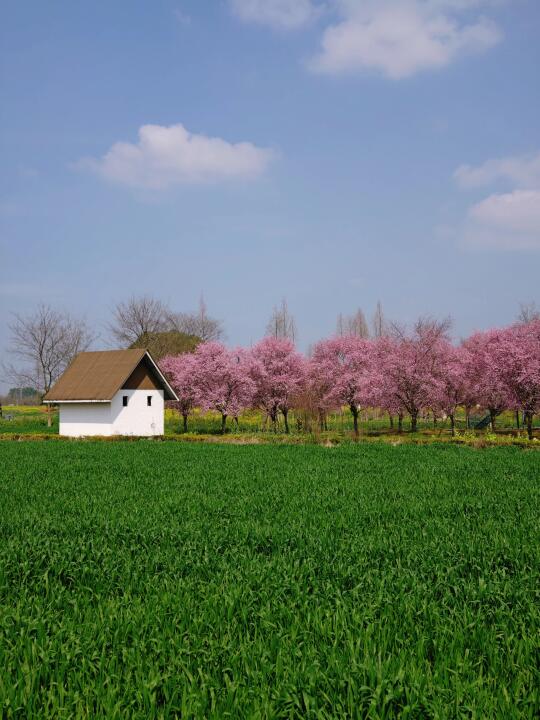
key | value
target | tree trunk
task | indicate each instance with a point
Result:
(400, 423)
(452, 424)
(354, 411)
(492, 416)
(414, 421)
(223, 422)
(391, 421)
(434, 420)
(528, 422)
(286, 419)
(184, 415)
(517, 419)
(467, 418)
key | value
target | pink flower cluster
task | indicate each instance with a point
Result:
(405, 374)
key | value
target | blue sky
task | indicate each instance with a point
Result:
(334, 153)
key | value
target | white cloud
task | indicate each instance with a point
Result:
(506, 221)
(523, 171)
(166, 156)
(401, 37)
(509, 220)
(280, 14)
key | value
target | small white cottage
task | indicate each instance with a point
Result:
(111, 392)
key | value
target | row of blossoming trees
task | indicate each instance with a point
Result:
(402, 374)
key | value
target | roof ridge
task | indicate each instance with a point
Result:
(115, 350)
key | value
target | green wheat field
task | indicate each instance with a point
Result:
(162, 580)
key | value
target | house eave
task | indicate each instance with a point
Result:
(162, 376)
(62, 402)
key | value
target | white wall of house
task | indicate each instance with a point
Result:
(112, 418)
(82, 419)
(138, 418)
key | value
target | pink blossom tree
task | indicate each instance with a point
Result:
(222, 380)
(488, 387)
(343, 366)
(387, 396)
(451, 387)
(409, 366)
(385, 393)
(320, 386)
(278, 373)
(470, 389)
(515, 361)
(180, 371)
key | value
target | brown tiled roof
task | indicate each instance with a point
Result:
(99, 375)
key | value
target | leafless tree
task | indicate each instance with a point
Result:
(42, 346)
(427, 327)
(198, 324)
(341, 324)
(136, 318)
(528, 312)
(378, 322)
(355, 325)
(281, 323)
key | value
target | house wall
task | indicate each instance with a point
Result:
(137, 418)
(82, 419)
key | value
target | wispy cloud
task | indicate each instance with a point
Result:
(507, 220)
(182, 17)
(520, 170)
(400, 38)
(166, 156)
(278, 14)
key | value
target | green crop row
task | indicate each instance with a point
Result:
(160, 580)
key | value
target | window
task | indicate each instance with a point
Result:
(149, 400)
(124, 400)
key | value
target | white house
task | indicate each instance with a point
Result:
(111, 392)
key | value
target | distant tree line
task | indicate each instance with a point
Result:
(403, 372)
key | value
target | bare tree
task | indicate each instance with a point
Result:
(281, 323)
(355, 325)
(358, 324)
(44, 343)
(528, 312)
(198, 324)
(378, 322)
(427, 327)
(137, 318)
